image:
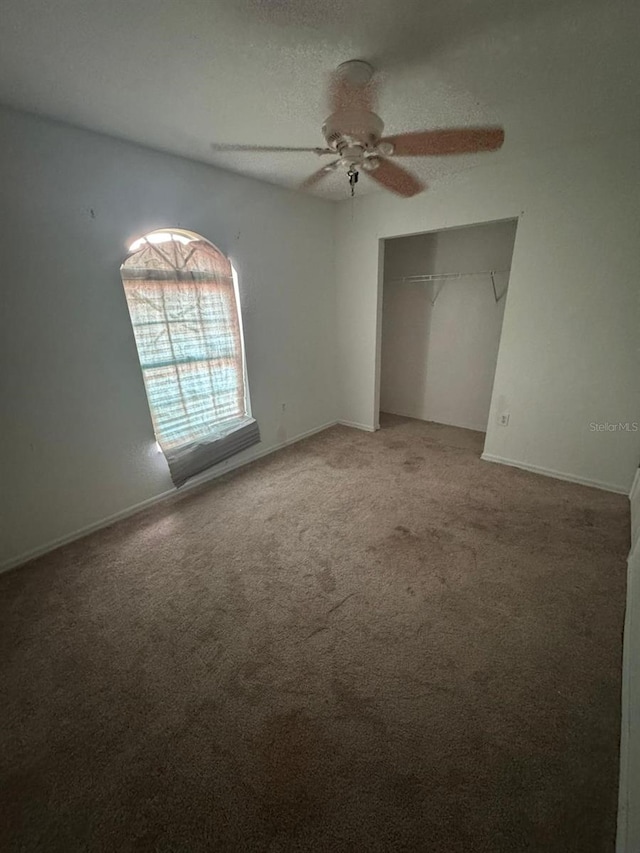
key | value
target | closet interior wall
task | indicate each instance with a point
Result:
(440, 338)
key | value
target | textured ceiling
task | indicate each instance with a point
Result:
(180, 74)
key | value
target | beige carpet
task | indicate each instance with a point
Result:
(362, 643)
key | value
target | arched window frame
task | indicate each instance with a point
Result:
(183, 299)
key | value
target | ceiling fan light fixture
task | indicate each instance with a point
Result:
(387, 149)
(370, 164)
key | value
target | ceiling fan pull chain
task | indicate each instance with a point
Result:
(353, 179)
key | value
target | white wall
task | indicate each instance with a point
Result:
(440, 340)
(77, 442)
(569, 349)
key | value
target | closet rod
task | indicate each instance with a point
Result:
(418, 279)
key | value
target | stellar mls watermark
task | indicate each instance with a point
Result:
(620, 426)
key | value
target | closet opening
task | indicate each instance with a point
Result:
(441, 306)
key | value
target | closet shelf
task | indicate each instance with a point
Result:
(445, 276)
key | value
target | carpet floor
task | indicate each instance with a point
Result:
(365, 642)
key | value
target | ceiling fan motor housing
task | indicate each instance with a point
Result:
(353, 132)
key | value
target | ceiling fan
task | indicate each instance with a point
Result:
(353, 132)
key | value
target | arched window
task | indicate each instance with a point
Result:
(184, 310)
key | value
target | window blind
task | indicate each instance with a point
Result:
(184, 313)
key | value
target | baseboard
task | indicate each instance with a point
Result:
(557, 475)
(355, 425)
(219, 471)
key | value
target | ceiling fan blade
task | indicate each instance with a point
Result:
(345, 94)
(258, 148)
(452, 140)
(313, 179)
(395, 178)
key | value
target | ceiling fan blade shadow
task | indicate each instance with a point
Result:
(452, 140)
(316, 177)
(395, 178)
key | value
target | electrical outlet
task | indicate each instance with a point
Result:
(503, 419)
